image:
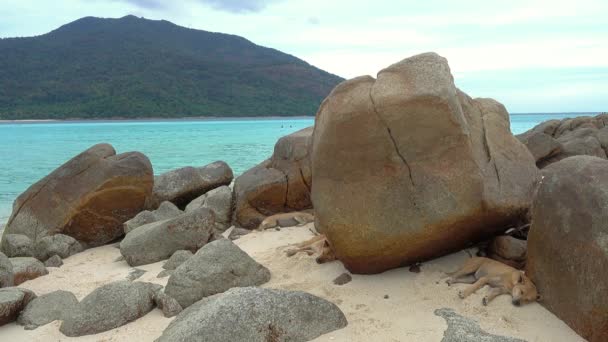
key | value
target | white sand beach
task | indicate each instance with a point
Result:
(406, 315)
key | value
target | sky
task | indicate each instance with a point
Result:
(532, 55)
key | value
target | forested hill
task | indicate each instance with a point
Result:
(133, 67)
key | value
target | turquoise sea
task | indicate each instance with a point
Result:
(29, 151)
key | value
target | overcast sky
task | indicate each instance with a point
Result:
(532, 55)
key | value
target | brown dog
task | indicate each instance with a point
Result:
(316, 245)
(295, 218)
(502, 278)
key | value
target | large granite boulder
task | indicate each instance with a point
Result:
(219, 201)
(215, 268)
(256, 315)
(6, 271)
(110, 306)
(183, 185)
(58, 244)
(555, 140)
(17, 245)
(27, 268)
(279, 184)
(159, 240)
(406, 167)
(165, 211)
(88, 198)
(568, 244)
(47, 308)
(12, 301)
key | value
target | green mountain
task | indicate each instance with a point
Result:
(133, 67)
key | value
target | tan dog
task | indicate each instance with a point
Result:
(316, 245)
(295, 218)
(502, 278)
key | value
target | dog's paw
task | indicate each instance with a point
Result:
(461, 294)
(484, 301)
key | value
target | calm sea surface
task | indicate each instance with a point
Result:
(29, 151)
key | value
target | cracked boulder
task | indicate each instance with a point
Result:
(215, 268)
(568, 244)
(406, 167)
(88, 198)
(256, 315)
(279, 184)
(554, 140)
(159, 240)
(181, 186)
(218, 200)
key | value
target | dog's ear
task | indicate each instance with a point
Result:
(520, 279)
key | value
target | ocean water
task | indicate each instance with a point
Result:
(29, 151)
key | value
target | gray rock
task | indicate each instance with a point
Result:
(165, 211)
(169, 306)
(12, 301)
(220, 202)
(164, 273)
(54, 261)
(135, 274)
(47, 308)
(237, 232)
(27, 268)
(177, 259)
(110, 306)
(256, 315)
(58, 244)
(215, 268)
(462, 329)
(17, 245)
(342, 279)
(6, 271)
(183, 185)
(159, 240)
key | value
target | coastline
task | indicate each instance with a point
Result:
(157, 119)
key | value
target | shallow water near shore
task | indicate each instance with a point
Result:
(30, 150)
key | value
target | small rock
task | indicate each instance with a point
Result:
(385, 296)
(12, 302)
(215, 268)
(135, 273)
(47, 308)
(343, 278)
(17, 245)
(58, 244)
(110, 306)
(27, 268)
(169, 306)
(6, 271)
(54, 261)
(165, 211)
(236, 233)
(164, 273)
(178, 258)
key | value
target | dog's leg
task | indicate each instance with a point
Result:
(470, 266)
(471, 289)
(466, 279)
(495, 292)
(291, 252)
(301, 221)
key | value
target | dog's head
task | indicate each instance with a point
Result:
(524, 290)
(327, 254)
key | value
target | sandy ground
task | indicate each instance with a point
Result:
(406, 315)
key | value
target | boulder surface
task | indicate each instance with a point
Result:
(279, 184)
(159, 240)
(568, 244)
(215, 268)
(110, 306)
(6, 271)
(58, 244)
(88, 198)
(165, 211)
(406, 167)
(554, 140)
(27, 268)
(256, 315)
(12, 302)
(17, 245)
(47, 308)
(183, 185)
(219, 201)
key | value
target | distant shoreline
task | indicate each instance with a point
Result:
(220, 118)
(197, 118)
